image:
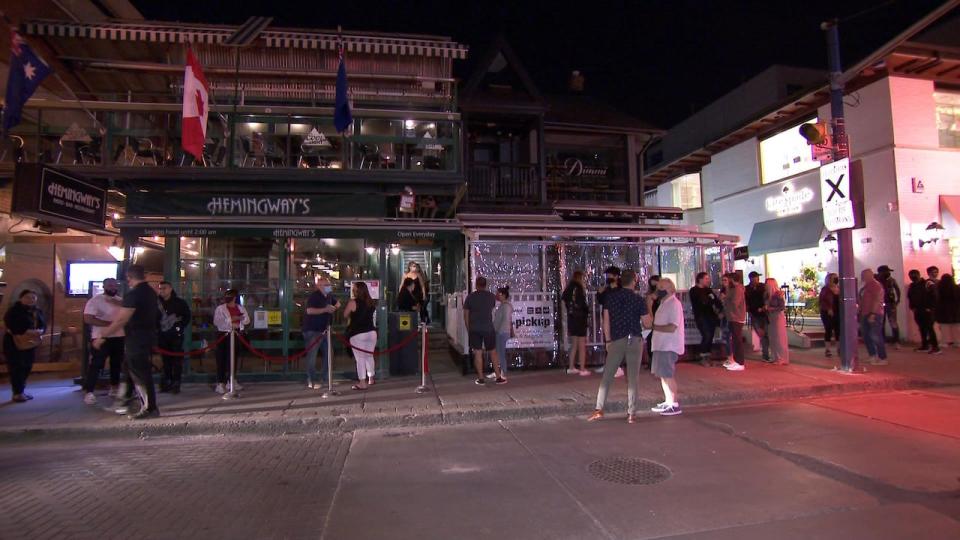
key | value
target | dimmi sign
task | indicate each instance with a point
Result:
(790, 201)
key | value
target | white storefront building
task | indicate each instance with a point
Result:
(758, 179)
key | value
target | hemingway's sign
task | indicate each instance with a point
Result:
(60, 198)
(258, 206)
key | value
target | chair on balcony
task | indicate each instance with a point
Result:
(370, 156)
(18, 154)
(141, 152)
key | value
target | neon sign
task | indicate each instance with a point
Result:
(790, 201)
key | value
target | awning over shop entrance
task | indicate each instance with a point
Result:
(950, 215)
(788, 233)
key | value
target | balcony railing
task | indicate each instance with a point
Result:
(149, 135)
(503, 182)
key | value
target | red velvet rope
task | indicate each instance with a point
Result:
(193, 352)
(291, 358)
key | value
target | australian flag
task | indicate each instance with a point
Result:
(342, 118)
(27, 70)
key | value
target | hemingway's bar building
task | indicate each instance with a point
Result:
(491, 177)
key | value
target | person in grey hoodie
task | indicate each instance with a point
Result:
(735, 312)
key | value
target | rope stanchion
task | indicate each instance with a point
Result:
(232, 394)
(423, 359)
(330, 391)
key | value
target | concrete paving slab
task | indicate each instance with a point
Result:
(928, 411)
(842, 443)
(710, 487)
(889, 522)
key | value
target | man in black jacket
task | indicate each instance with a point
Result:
(922, 298)
(173, 320)
(706, 314)
(758, 317)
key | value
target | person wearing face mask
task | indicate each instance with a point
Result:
(321, 304)
(24, 325)
(668, 345)
(98, 313)
(228, 316)
(174, 318)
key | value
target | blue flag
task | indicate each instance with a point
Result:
(342, 118)
(27, 70)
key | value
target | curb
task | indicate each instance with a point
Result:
(343, 424)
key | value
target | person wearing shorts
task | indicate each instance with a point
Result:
(481, 334)
(668, 345)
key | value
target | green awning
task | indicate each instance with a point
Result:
(800, 231)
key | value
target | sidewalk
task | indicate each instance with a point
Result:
(277, 408)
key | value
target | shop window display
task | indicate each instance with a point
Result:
(948, 118)
(785, 154)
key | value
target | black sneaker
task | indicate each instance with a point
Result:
(501, 380)
(479, 382)
(144, 414)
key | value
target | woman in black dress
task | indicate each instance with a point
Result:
(24, 321)
(406, 298)
(575, 300)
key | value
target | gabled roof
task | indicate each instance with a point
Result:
(581, 112)
(501, 56)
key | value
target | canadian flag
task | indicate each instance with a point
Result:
(195, 107)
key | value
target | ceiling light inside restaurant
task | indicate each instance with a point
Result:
(409, 124)
(369, 250)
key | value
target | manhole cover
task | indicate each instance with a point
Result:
(629, 471)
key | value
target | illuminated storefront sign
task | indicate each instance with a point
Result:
(790, 201)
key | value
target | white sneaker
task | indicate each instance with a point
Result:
(619, 373)
(659, 407)
(598, 370)
(671, 410)
(237, 385)
(491, 375)
(729, 363)
(221, 389)
(584, 372)
(90, 399)
(735, 367)
(572, 371)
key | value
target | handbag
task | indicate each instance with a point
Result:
(27, 341)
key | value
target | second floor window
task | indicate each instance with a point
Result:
(948, 118)
(785, 154)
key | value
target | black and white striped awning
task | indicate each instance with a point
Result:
(126, 32)
(163, 33)
(367, 44)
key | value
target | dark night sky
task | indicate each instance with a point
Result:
(657, 59)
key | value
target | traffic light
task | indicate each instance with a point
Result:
(815, 133)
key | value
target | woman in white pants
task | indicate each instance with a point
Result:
(362, 333)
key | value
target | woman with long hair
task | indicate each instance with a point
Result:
(830, 311)
(24, 324)
(575, 300)
(406, 298)
(775, 306)
(421, 290)
(361, 332)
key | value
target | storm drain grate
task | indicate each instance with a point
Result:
(629, 471)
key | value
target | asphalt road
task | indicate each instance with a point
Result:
(877, 466)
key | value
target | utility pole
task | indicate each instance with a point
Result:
(841, 149)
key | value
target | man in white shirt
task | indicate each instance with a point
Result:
(668, 345)
(98, 313)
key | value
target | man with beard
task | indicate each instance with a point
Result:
(98, 313)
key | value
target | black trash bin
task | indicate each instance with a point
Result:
(405, 360)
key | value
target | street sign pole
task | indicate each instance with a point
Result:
(848, 280)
